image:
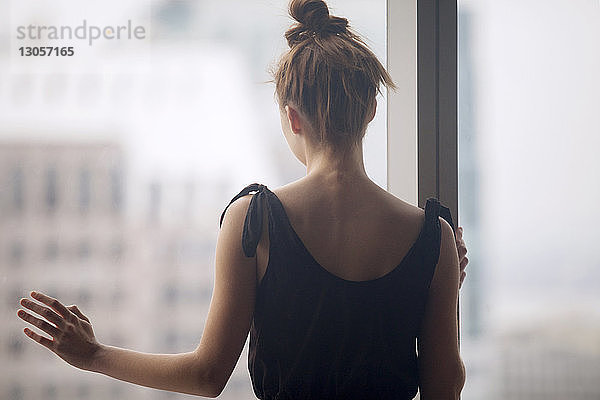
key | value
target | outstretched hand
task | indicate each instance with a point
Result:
(72, 333)
(462, 251)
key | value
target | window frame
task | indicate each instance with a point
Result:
(422, 115)
(422, 125)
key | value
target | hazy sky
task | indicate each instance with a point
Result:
(536, 89)
(189, 104)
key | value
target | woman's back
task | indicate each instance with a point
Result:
(356, 231)
(344, 274)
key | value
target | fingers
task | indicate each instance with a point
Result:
(43, 325)
(44, 341)
(55, 304)
(73, 308)
(463, 263)
(44, 312)
(458, 234)
(462, 249)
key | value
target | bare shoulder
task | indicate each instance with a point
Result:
(293, 189)
(370, 229)
(236, 211)
(370, 198)
(402, 206)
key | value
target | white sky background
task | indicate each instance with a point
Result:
(174, 106)
(182, 108)
(537, 100)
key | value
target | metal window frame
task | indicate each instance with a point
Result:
(437, 23)
(422, 126)
(401, 49)
(437, 93)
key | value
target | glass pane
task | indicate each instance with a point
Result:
(116, 163)
(529, 194)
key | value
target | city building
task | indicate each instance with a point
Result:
(555, 359)
(144, 279)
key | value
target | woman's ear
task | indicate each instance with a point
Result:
(294, 119)
(374, 110)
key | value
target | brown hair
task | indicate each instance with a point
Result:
(329, 74)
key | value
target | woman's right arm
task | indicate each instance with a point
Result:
(441, 370)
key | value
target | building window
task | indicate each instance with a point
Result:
(116, 391)
(15, 346)
(116, 189)
(17, 252)
(84, 297)
(16, 392)
(51, 250)
(17, 189)
(51, 188)
(116, 250)
(50, 391)
(171, 294)
(84, 190)
(170, 340)
(83, 391)
(117, 297)
(84, 250)
(14, 294)
(155, 192)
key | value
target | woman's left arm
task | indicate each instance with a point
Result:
(204, 371)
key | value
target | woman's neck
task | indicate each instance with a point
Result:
(336, 168)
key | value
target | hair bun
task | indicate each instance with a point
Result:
(313, 17)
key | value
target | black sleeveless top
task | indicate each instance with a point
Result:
(315, 335)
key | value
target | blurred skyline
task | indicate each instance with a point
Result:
(179, 100)
(528, 86)
(536, 96)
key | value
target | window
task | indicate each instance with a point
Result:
(17, 189)
(83, 391)
(51, 250)
(15, 345)
(170, 295)
(116, 189)
(154, 209)
(84, 189)
(117, 296)
(16, 392)
(50, 391)
(116, 250)
(525, 172)
(17, 252)
(84, 297)
(84, 250)
(528, 192)
(51, 188)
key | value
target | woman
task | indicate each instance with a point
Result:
(334, 277)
